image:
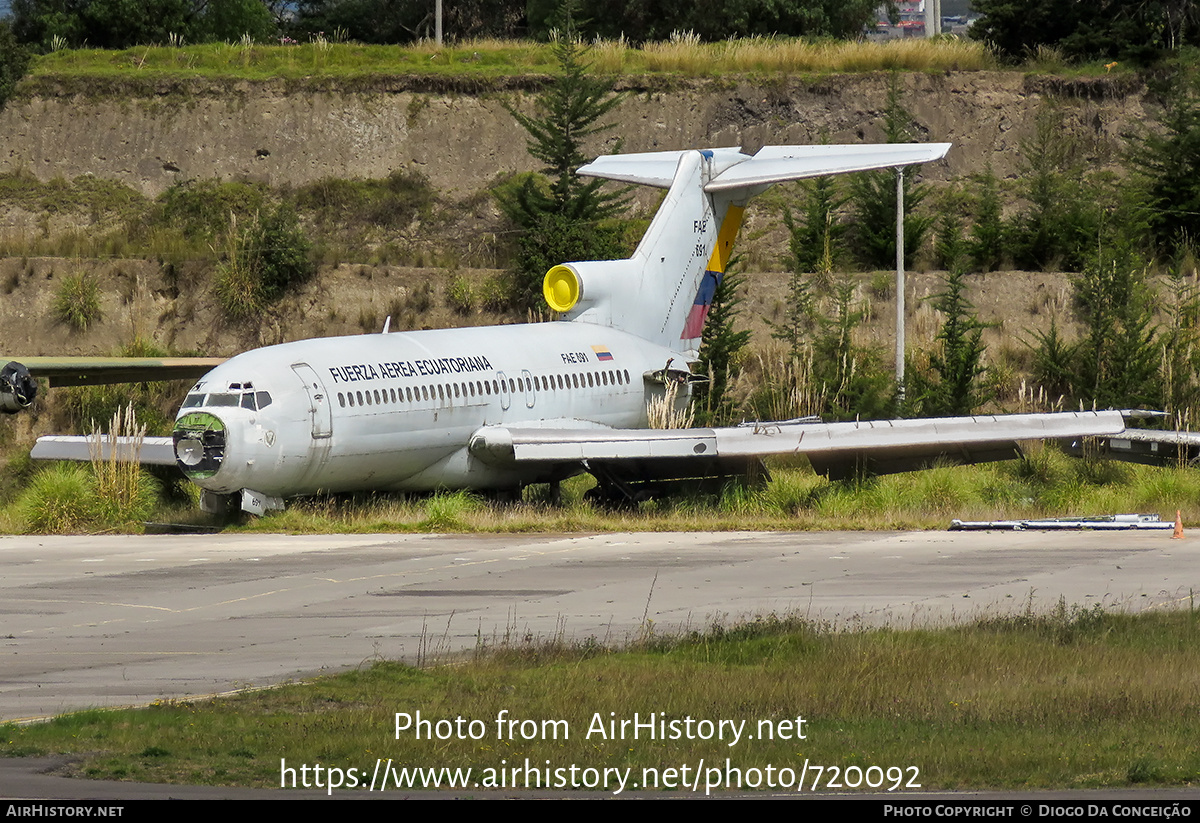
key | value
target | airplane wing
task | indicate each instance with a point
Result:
(88, 371)
(18, 377)
(835, 449)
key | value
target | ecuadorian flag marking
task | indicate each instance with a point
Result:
(693, 327)
(602, 353)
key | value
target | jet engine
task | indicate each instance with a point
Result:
(17, 388)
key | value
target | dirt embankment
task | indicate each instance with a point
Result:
(462, 137)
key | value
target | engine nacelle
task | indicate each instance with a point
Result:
(17, 388)
(591, 290)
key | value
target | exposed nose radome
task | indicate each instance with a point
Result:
(199, 444)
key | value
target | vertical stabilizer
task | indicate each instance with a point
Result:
(664, 292)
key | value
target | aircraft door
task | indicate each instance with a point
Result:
(322, 414)
(530, 389)
(505, 392)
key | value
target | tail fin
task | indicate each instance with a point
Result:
(663, 293)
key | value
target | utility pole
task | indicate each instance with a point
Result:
(933, 18)
(900, 285)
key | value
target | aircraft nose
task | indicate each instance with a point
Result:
(199, 444)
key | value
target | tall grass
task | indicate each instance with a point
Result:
(683, 54)
(687, 55)
(124, 492)
(60, 499)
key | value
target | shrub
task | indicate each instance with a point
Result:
(202, 209)
(77, 301)
(263, 260)
(460, 296)
(392, 202)
(61, 499)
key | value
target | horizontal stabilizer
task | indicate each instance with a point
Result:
(154, 451)
(776, 164)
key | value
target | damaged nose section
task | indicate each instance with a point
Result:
(199, 444)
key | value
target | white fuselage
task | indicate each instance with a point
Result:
(397, 411)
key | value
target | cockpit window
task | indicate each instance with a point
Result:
(224, 399)
(193, 400)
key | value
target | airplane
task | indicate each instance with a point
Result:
(502, 407)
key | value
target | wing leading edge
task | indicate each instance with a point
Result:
(835, 449)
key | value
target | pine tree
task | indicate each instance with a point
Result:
(720, 351)
(559, 213)
(816, 239)
(987, 235)
(873, 197)
(1118, 359)
(958, 359)
(1168, 163)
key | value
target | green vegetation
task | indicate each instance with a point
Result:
(873, 197)
(1104, 29)
(97, 71)
(1167, 163)
(77, 301)
(1077, 698)
(950, 384)
(66, 498)
(14, 62)
(264, 258)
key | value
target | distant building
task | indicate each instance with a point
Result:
(911, 21)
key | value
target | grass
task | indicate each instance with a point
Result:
(77, 301)
(1047, 484)
(494, 58)
(1077, 698)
